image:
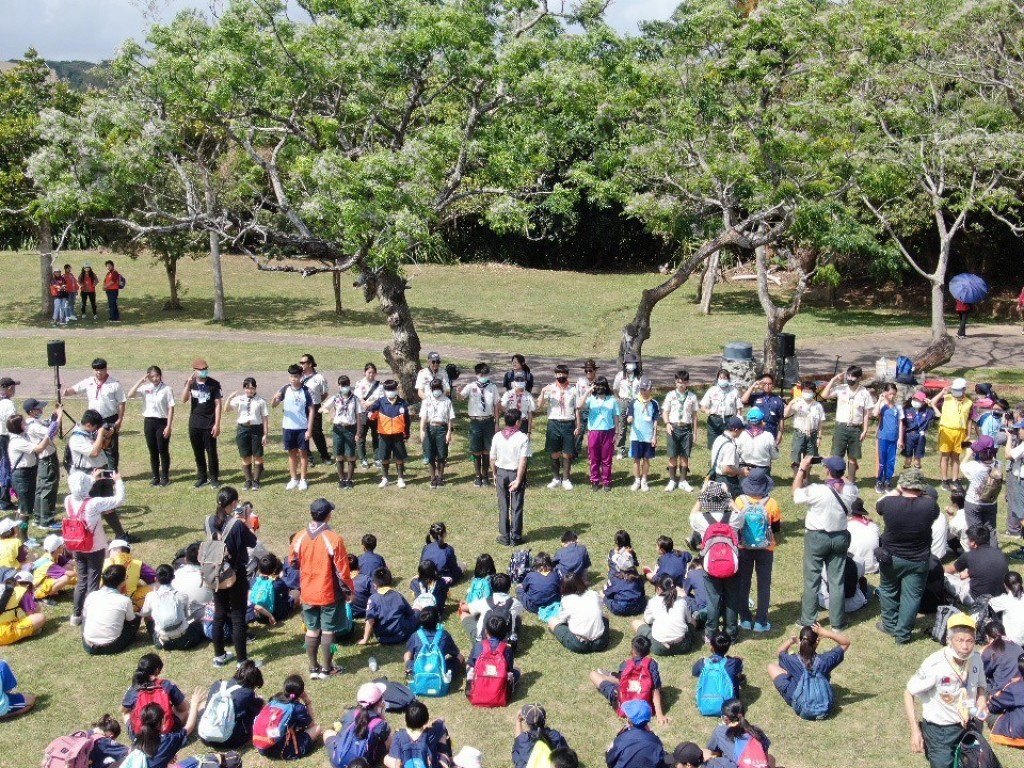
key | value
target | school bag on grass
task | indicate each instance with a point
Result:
(973, 751)
(490, 678)
(262, 594)
(813, 697)
(271, 727)
(519, 565)
(229, 759)
(720, 548)
(636, 682)
(70, 751)
(714, 687)
(756, 532)
(347, 746)
(218, 720)
(153, 694)
(430, 675)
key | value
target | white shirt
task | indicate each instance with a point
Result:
(958, 527)
(583, 386)
(480, 609)
(864, 539)
(668, 626)
(940, 536)
(20, 453)
(851, 405)
(251, 410)
(626, 385)
(807, 416)
(105, 398)
(180, 597)
(346, 410)
(584, 613)
(106, 611)
(507, 452)
(188, 579)
(521, 400)
(825, 513)
(680, 409)
(37, 430)
(851, 604)
(480, 400)
(759, 450)
(80, 444)
(724, 453)
(317, 386)
(1014, 453)
(944, 693)
(364, 386)
(158, 402)
(94, 509)
(1012, 609)
(425, 376)
(699, 521)
(976, 472)
(294, 407)
(437, 409)
(7, 409)
(562, 403)
(721, 401)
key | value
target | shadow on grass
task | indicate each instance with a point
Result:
(433, 320)
(528, 635)
(556, 531)
(526, 681)
(747, 304)
(845, 697)
(750, 694)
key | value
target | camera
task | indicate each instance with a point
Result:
(816, 459)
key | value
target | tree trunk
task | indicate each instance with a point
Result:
(46, 265)
(778, 316)
(336, 279)
(938, 307)
(218, 275)
(171, 267)
(770, 360)
(707, 288)
(937, 353)
(403, 353)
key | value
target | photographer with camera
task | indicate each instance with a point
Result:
(86, 455)
(106, 397)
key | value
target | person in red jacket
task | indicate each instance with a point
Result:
(112, 287)
(963, 310)
(87, 282)
(71, 285)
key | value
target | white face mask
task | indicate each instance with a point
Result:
(808, 396)
(630, 367)
(391, 395)
(437, 392)
(346, 391)
(519, 384)
(483, 381)
(723, 383)
(916, 405)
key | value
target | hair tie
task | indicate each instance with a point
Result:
(291, 695)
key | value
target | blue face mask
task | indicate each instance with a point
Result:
(346, 391)
(203, 374)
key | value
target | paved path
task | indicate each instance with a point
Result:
(996, 346)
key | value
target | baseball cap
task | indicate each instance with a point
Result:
(646, 385)
(370, 693)
(434, 357)
(99, 364)
(958, 385)
(637, 711)
(533, 715)
(87, 266)
(321, 507)
(688, 753)
(468, 757)
(7, 525)
(33, 405)
(961, 620)
(53, 542)
(920, 396)
(518, 376)
(755, 414)
(835, 464)
(733, 423)
(629, 357)
(199, 364)
(7, 381)
(983, 444)
(24, 577)
(119, 544)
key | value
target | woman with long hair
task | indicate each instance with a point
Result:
(231, 601)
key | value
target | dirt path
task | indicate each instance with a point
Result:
(996, 346)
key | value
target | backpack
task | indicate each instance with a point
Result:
(346, 747)
(397, 696)
(505, 610)
(983, 615)
(479, 589)
(262, 593)
(425, 598)
(973, 751)
(756, 532)
(218, 720)
(720, 548)
(214, 561)
(416, 754)
(155, 693)
(905, 370)
(430, 675)
(989, 493)
(714, 687)
(270, 728)
(942, 615)
(135, 759)
(169, 617)
(78, 537)
(70, 751)
(636, 682)
(122, 282)
(519, 565)
(540, 755)
(813, 697)
(749, 753)
(229, 759)
(490, 678)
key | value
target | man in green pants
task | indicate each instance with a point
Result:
(853, 414)
(47, 470)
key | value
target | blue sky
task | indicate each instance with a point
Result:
(91, 30)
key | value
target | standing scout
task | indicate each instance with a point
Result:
(481, 396)
(679, 410)
(437, 418)
(318, 388)
(954, 422)
(205, 396)
(106, 397)
(720, 403)
(563, 425)
(853, 413)
(297, 425)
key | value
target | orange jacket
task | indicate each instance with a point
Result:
(322, 560)
(112, 281)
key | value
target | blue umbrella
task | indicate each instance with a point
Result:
(968, 288)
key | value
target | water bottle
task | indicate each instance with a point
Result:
(335, 648)
(373, 664)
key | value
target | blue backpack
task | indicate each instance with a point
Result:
(348, 747)
(813, 697)
(430, 675)
(262, 593)
(417, 754)
(714, 687)
(905, 370)
(479, 589)
(756, 532)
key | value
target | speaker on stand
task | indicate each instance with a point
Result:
(56, 356)
(785, 350)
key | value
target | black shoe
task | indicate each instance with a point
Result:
(479, 482)
(215, 483)
(256, 485)
(595, 486)
(503, 542)
(164, 482)
(608, 488)
(155, 481)
(248, 485)
(312, 461)
(341, 485)
(881, 628)
(131, 539)
(201, 482)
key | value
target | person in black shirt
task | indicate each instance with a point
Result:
(231, 601)
(985, 566)
(205, 396)
(908, 514)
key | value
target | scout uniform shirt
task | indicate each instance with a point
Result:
(680, 409)
(103, 398)
(851, 405)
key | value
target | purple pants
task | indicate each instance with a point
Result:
(601, 445)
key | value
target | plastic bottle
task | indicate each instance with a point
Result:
(373, 664)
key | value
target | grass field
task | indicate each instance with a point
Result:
(547, 314)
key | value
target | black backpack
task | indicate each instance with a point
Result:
(504, 610)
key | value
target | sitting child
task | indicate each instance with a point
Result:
(422, 742)
(362, 737)
(474, 615)
(13, 552)
(480, 586)
(490, 672)
(696, 590)
(738, 740)
(12, 704)
(139, 577)
(20, 615)
(442, 553)
(540, 588)
(166, 612)
(720, 643)
(622, 556)
(638, 678)
(428, 588)
(269, 597)
(531, 731)
(1007, 704)
(792, 667)
(299, 738)
(370, 561)
(51, 572)
(389, 616)
(855, 586)
(671, 562)
(624, 590)
(667, 621)
(363, 582)
(107, 750)
(573, 557)
(430, 632)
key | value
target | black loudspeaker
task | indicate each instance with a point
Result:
(55, 353)
(787, 345)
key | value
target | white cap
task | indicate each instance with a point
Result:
(7, 525)
(24, 577)
(119, 544)
(53, 542)
(958, 384)
(468, 757)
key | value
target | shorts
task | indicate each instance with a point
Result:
(639, 450)
(784, 685)
(951, 440)
(45, 587)
(249, 439)
(804, 445)
(14, 631)
(560, 437)
(610, 691)
(914, 444)
(392, 447)
(324, 618)
(846, 441)
(345, 440)
(481, 433)
(680, 442)
(435, 448)
(658, 648)
(295, 440)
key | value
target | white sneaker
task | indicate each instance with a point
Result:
(644, 486)
(671, 486)
(566, 485)
(555, 482)
(401, 482)
(303, 485)
(686, 486)
(383, 483)
(292, 485)
(636, 485)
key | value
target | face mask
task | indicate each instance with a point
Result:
(561, 379)
(203, 374)
(519, 384)
(391, 394)
(437, 392)
(723, 383)
(630, 367)
(851, 380)
(808, 396)
(346, 391)
(916, 405)
(960, 656)
(483, 381)
(997, 416)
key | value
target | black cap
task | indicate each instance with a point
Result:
(688, 753)
(33, 405)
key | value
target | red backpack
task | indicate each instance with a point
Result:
(720, 548)
(155, 693)
(70, 751)
(752, 754)
(77, 535)
(490, 677)
(636, 682)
